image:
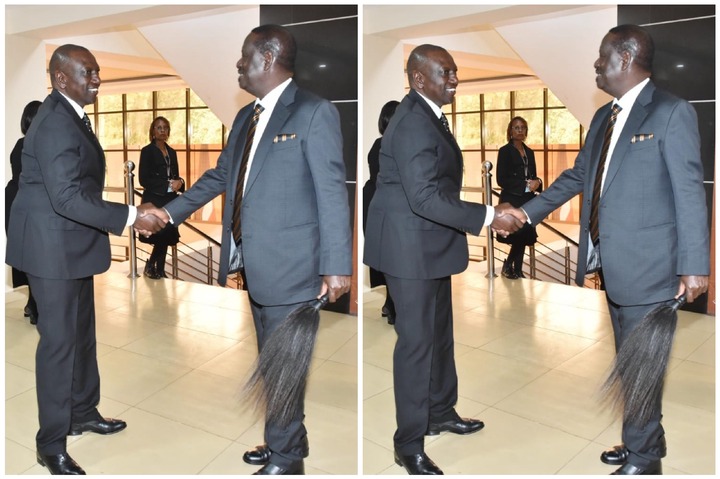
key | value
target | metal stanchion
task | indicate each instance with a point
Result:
(130, 182)
(487, 185)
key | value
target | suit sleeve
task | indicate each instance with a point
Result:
(428, 194)
(681, 153)
(324, 154)
(211, 184)
(66, 166)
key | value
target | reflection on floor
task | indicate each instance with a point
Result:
(173, 356)
(531, 356)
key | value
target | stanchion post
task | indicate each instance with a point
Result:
(130, 182)
(487, 186)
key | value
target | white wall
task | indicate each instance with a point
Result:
(204, 52)
(564, 57)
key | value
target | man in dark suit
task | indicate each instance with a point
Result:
(644, 219)
(286, 220)
(416, 235)
(58, 235)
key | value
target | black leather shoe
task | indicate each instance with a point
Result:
(261, 454)
(509, 274)
(30, 313)
(418, 464)
(655, 469)
(618, 455)
(455, 426)
(98, 426)
(60, 464)
(269, 469)
(390, 315)
(258, 456)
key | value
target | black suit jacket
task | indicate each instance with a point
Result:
(153, 174)
(511, 174)
(59, 222)
(417, 223)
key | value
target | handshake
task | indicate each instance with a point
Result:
(150, 219)
(508, 219)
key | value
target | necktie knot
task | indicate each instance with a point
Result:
(256, 112)
(615, 110)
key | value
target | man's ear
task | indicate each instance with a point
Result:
(627, 59)
(268, 60)
(418, 79)
(60, 79)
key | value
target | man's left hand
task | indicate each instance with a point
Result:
(335, 286)
(693, 286)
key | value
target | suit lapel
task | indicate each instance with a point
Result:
(436, 123)
(80, 124)
(637, 116)
(279, 116)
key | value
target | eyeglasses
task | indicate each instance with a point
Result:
(520, 128)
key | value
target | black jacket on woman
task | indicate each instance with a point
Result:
(18, 277)
(155, 175)
(512, 179)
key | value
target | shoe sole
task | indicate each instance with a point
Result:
(437, 433)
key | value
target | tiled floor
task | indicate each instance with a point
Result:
(531, 356)
(173, 356)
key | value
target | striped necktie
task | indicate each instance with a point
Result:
(597, 187)
(237, 231)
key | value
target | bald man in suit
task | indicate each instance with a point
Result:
(58, 235)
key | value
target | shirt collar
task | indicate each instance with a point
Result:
(436, 109)
(78, 109)
(628, 99)
(270, 100)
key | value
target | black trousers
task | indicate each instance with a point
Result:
(286, 443)
(643, 443)
(424, 375)
(66, 370)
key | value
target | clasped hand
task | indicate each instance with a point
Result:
(507, 219)
(150, 219)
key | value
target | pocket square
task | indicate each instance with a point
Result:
(284, 137)
(641, 137)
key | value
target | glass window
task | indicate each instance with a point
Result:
(110, 130)
(496, 129)
(467, 131)
(481, 129)
(563, 130)
(467, 103)
(110, 102)
(124, 132)
(529, 98)
(195, 100)
(206, 129)
(138, 126)
(139, 100)
(178, 127)
(497, 100)
(536, 126)
(171, 98)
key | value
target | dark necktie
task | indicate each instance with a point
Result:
(237, 232)
(597, 187)
(86, 120)
(445, 124)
